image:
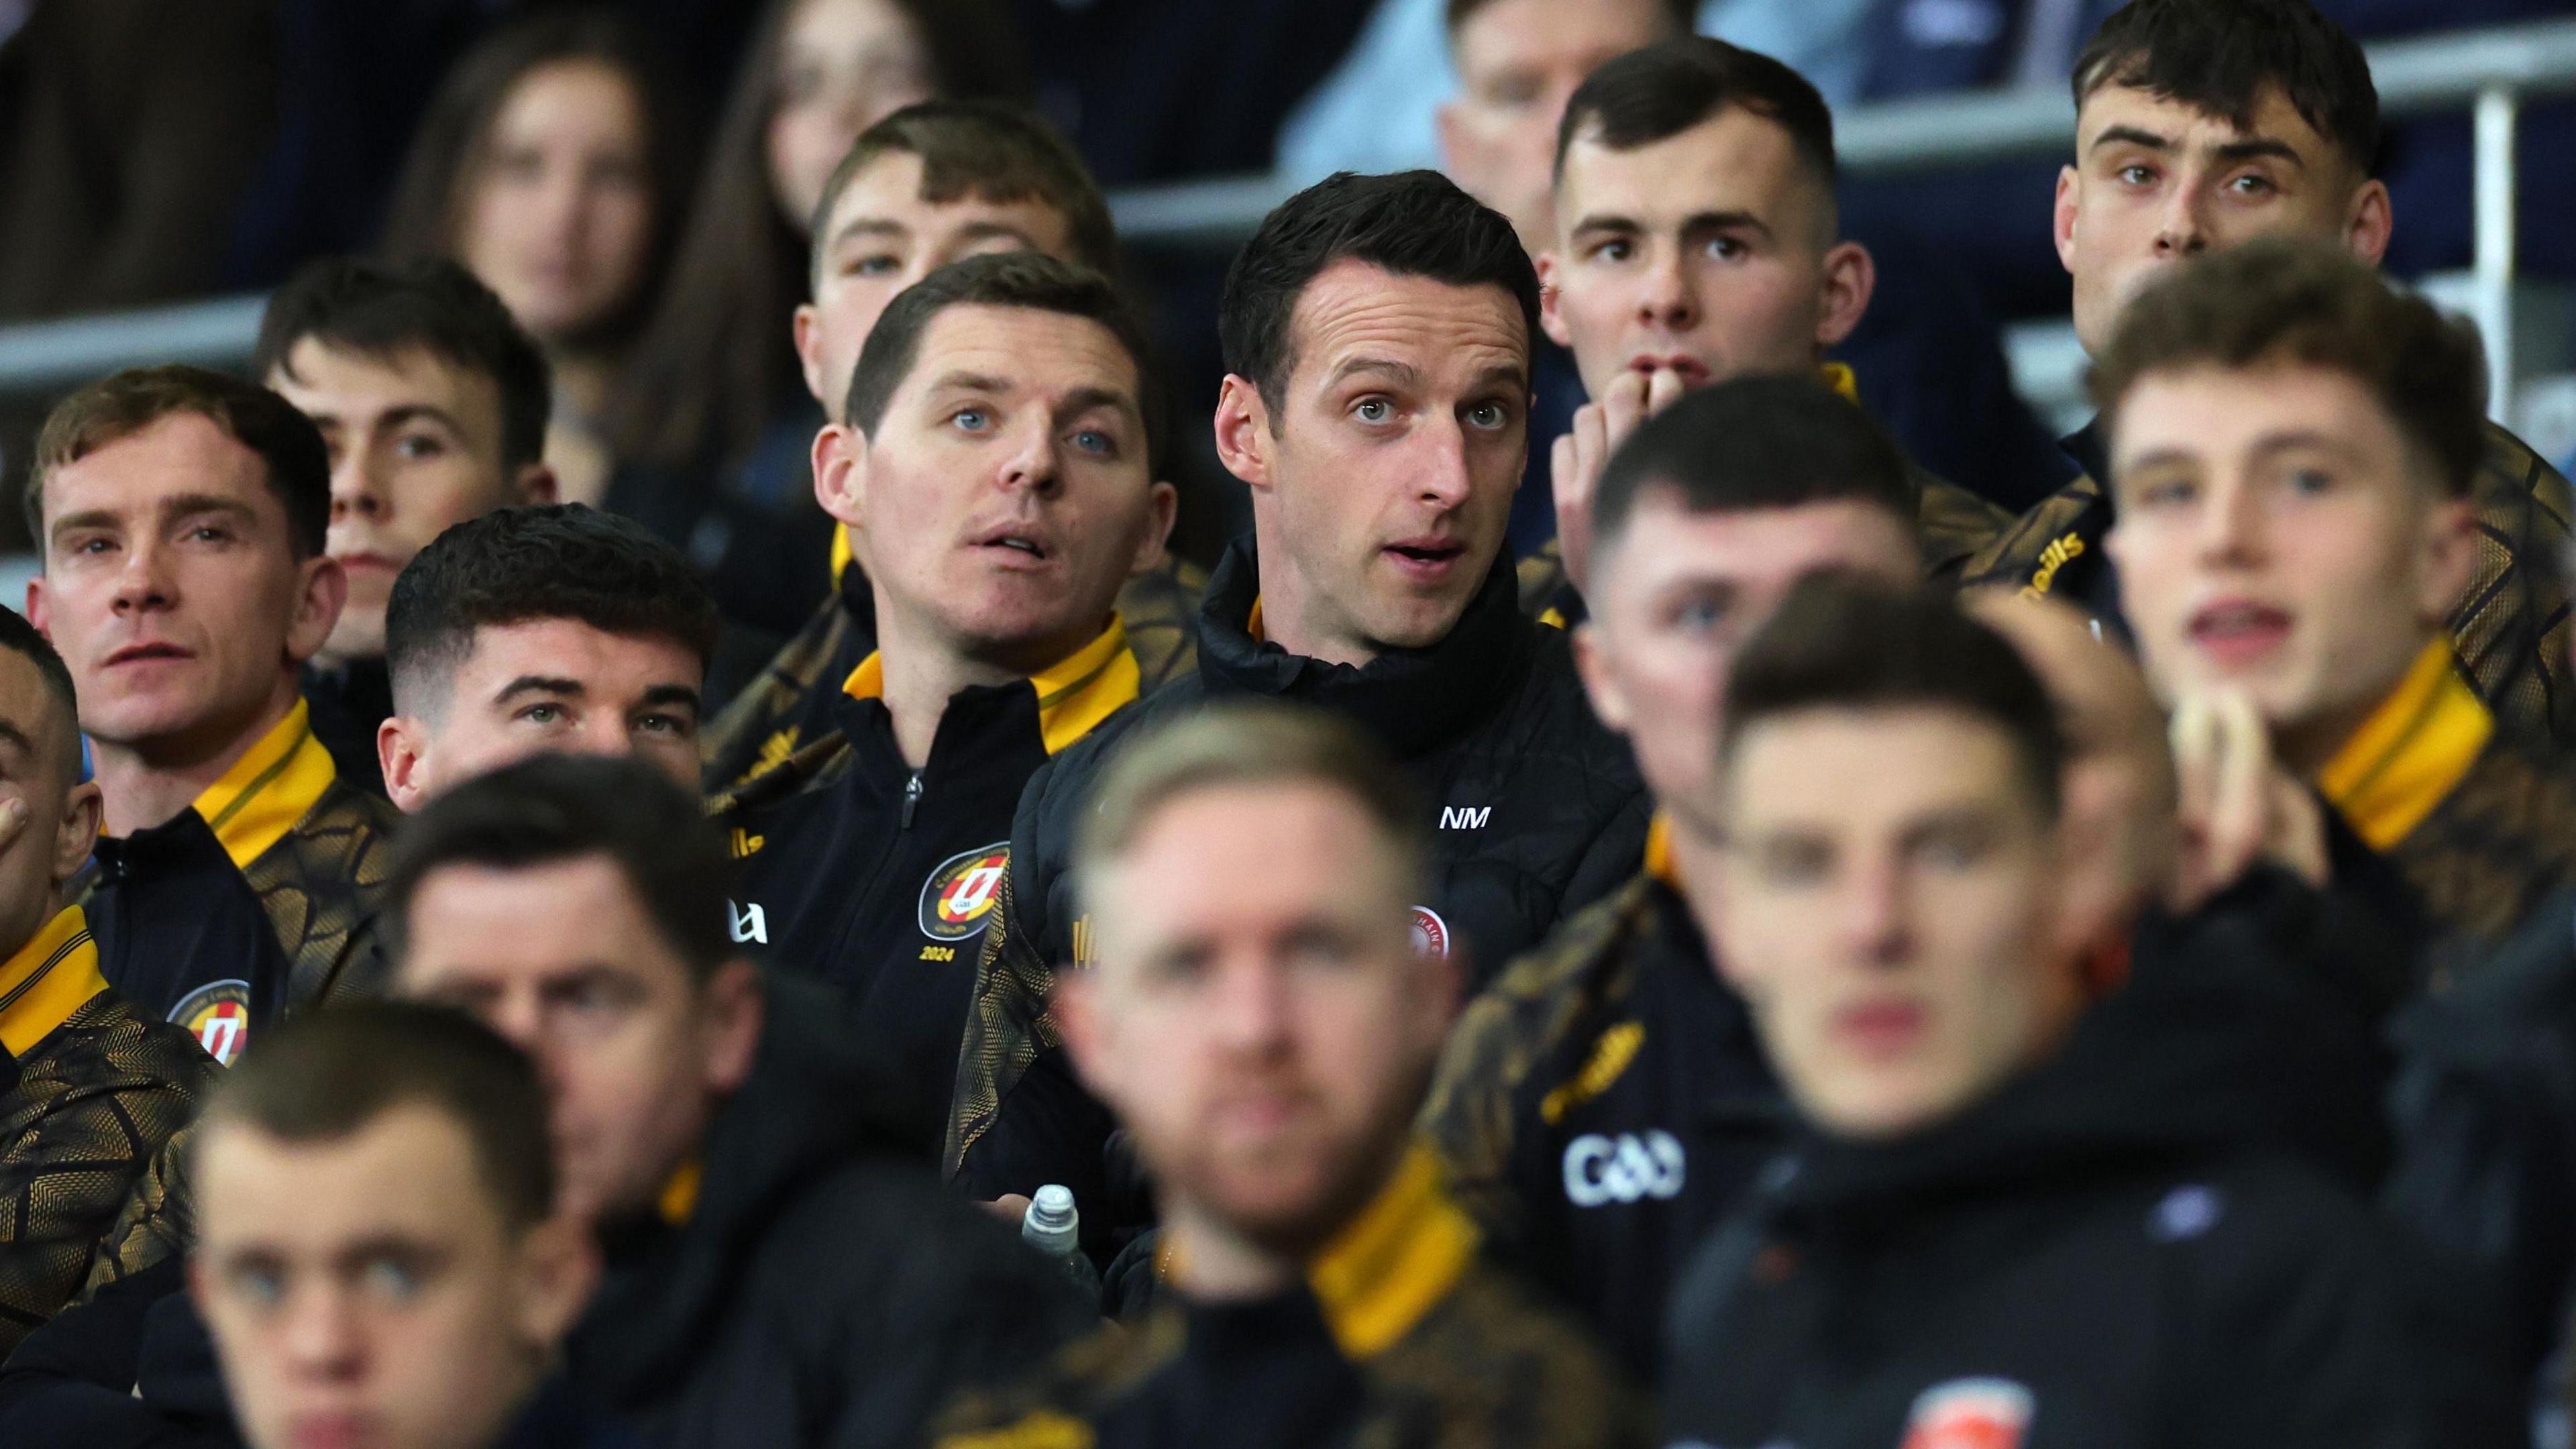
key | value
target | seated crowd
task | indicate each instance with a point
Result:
(1758, 945)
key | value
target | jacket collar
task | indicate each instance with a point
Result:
(49, 978)
(1414, 699)
(1074, 694)
(2412, 751)
(270, 788)
(1404, 1252)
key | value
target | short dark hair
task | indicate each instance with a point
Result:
(1839, 642)
(539, 561)
(1755, 442)
(115, 408)
(551, 808)
(379, 309)
(1412, 224)
(18, 636)
(1665, 89)
(993, 151)
(1683, 13)
(327, 1075)
(2278, 300)
(1030, 280)
(2219, 57)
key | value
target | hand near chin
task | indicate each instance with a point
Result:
(2239, 806)
(1576, 460)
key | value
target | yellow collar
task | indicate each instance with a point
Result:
(1074, 695)
(1402, 1255)
(51, 977)
(2411, 751)
(1252, 623)
(841, 553)
(679, 1199)
(1659, 851)
(1841, 379)
(269, 789)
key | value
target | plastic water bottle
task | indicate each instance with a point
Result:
(1052, 1227)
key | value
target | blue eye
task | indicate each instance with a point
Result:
(970, 420)
(1092, 440)
(392, 1279)
(1374, 410)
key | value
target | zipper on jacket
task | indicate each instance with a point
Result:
(911, 798)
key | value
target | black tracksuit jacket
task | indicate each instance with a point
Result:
(2110, 1251)
(825, 1292)
(1539, 811)
(862, 872)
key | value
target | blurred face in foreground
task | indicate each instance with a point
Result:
(1260, 1019)
(1885, 903)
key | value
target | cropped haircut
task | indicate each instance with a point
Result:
(380, 310)
(1754, 443)
(1840, 643)
(112, 409)
(1247, 745)
(2219, 57)
(992, 151)
(521, 565)
(1410, 224)
(2278, 301)
(1682, 13)
(21, 637)
(328, 1075)
(1657, 93)
(550, 809)
(1032, 281)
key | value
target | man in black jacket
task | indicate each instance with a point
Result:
(999, 460)
(1604, 1100)
(1377, 333)
(2011, 1218)
(1263, 1022)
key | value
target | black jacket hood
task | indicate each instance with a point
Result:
(1414, 699)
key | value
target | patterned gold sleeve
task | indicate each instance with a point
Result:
(1007, 1025)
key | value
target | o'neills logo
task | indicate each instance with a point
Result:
(1430, 934)
(1970, 1414)
(960, 894)
(2052, 558)
(218, 1016)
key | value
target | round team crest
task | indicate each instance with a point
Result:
(217, 1014)
(960, 894)
(1430, 934)
(1970, 1414)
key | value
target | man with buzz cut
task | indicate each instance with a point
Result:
(1696, 239)
(999, 456)
(931, 184)
(183, 518)
(1377, 333)
(90, 1087)
(432, 403)
(2295, 454)
(2201, 124)
(1262, 1021)
(2010, 1214)
(1603, 1102)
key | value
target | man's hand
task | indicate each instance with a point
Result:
(2238, 805)
(1010, 1207)
(1576, 460)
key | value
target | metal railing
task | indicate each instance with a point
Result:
(2490, 73)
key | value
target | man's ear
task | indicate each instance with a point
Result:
(1850, 279)
(1243, 434)
(1452, 137)
(537, 484)
(809, 357)
(2374, 218)
(1551, 300)
(402, 755)
(2450, 557)
(76, 833)
(2062, 219)
(1162, 507)
(558, 1269)
(1600, 681)
(736, 1008)
(39, 608)
(321, 589)
(1074, 1006)
(840, 472)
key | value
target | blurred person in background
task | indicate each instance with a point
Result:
(433, 405)
(554, 164)
(714, 416)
